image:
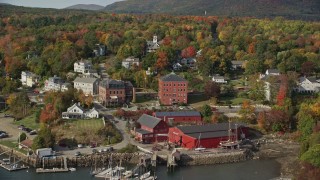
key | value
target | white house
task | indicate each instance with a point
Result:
(237, 64)
(29, 79)
(82, 66)
(308, 85)
(87, 85)
(130, 62)
(92, 113)
(55, 83)
(77, 112)
(270, 72)
(153, 45)
(219, 79)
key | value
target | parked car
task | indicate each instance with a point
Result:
(94, 151)
(33, 132)
(80, 146)
(7, 115)
(3, 135)
(77, 153)
(21, 127)
(27, 129)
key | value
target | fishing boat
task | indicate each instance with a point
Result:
(145, 176)
(72, 169)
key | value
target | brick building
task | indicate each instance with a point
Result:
(115, 92)
(179, 117)
(173, 89)
(152, 129)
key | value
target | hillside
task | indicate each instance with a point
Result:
(92, 7)
(292, 9)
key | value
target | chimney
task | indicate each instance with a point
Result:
(155, 39)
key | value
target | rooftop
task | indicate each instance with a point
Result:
(177, 113)
(172, 77)
(210, 134)
(142, 131)
(149, 121)
(85, 80)
(208, 128)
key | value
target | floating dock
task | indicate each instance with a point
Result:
(53, 170)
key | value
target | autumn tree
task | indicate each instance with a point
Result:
(247, 112)
(188, 52)
(162, 61)
(44, 139)
(19, 105)
(212, 89)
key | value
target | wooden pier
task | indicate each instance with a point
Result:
(12, 167)
(54, 170)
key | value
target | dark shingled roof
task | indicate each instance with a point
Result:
(148, 121)
(178, 113)
(142, 131)
(210, 134)
(312, 79)
(172, 77)
(273, 70)
(208, 128)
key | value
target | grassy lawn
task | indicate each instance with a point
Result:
(82, 130)
(28, 121)
(234, 101)
(13, 144)
(90, 124)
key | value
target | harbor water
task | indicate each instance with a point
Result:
(248, 170)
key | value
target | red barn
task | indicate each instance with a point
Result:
(152, 129)
(173, 89)
(206, 136)
(179, 117)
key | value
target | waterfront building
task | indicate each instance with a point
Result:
(206, 136)
(152, 129)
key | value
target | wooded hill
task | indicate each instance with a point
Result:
(292, 9)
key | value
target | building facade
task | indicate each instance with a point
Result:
(77, 112)
(179, 117)
(130, 62)
(115, 92)
(55, 83)
(153, 45)
(87, 85)
(173, 89)
(152, 129)
(308, 85)
(29, 79)
(82, 66)
(206, 136)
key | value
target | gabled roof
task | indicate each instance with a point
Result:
(312, 79)
(92, 110)
(208, 128)
(217, 77)
(111, 83)
(177, 113)
(210, 134)
(237, 62)
(75, 105)
(273, 71)
(85, 80)
(149, 121)
(172, 77)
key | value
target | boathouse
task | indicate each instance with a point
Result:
(179, 117)
(152, 129)
(206, 136)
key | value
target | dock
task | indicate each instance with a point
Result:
(7, 165)
(12, 167)
(54, 170)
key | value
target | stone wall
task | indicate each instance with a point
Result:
(213, 158)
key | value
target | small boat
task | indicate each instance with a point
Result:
(72, 169)
(145, 176)
(6, 161)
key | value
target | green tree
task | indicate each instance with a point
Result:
(312, 156)
(206, 111)
(22, 137)
(44, 139)
(305, 124)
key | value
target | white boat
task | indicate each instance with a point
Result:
(145, 176)
(72, 169)
(151, 178)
